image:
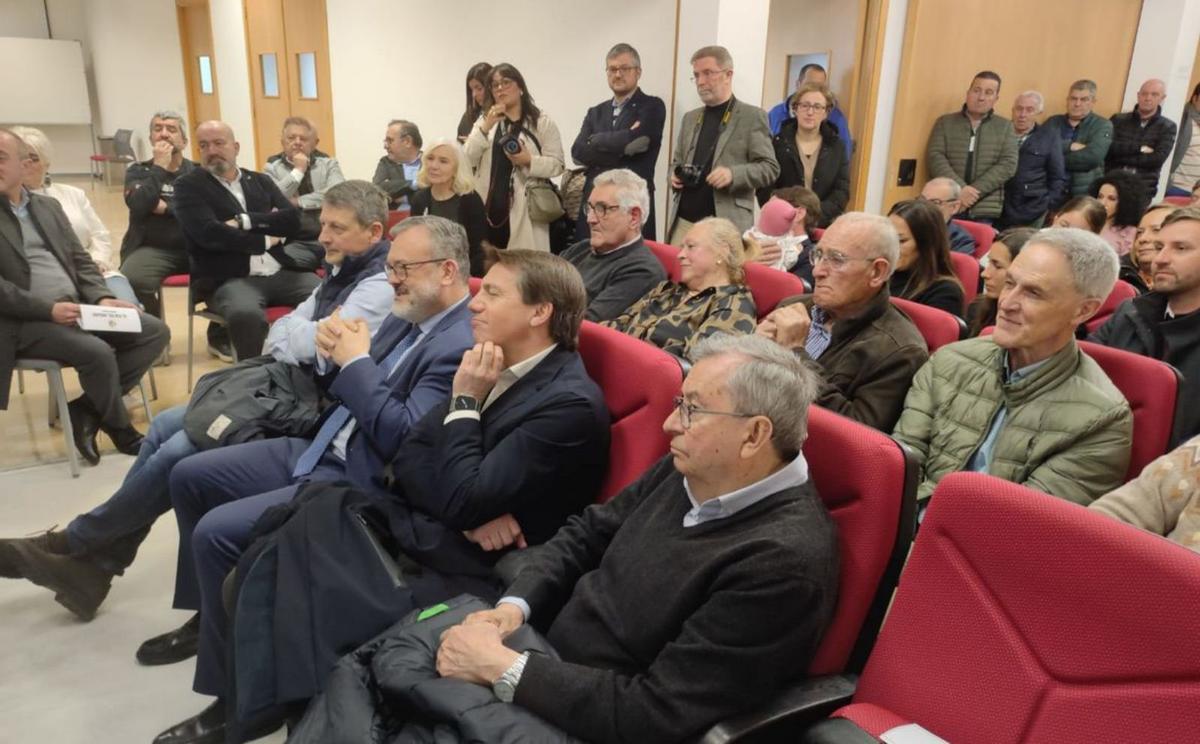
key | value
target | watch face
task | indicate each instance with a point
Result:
(465, 403)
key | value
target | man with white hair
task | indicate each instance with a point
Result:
(1142, 139)
(1041, 176)
(868, 349)
(1026, 404)
(944, 193)
(617, 267)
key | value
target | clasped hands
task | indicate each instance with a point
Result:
(474, 651)
(341, 339)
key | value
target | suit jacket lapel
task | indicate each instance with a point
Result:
(520, 396)
(726, 132)
(11, 232)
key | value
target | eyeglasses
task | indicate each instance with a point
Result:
(940, 202)
(836, 259)
(502, 84)
(602, 210)
(707, 75)
(816, 108)
(400, 270)
(622, 70)
(687, 410)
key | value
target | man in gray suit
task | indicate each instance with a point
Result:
(45, 274)
(724, 151)
(303, 173)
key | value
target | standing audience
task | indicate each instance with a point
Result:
(1185, 163)
(1142, 139)
(1085, 136)
(811, 154)
(1041, 176)
(781, 112)
(479, 98)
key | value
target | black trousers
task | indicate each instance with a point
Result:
(109, 364)
(146, 267)
(243, 303)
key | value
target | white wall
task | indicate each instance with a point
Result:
(885, 110)
(233, 73)
(559, 47)
(23, 18)
(742, 29)
(804, 26)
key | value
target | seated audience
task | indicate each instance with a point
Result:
(479, 98)
(659, 655)
(976, 148)
(303, 173)
(514, 144)
(79, 562)
(1085, 136)
(1165, 324)
(236, 222)
(1041, 177)
(1142, 139)
(45, 275)
(1184, 172)
(792, 251)
(1137, 267)
(1164, 498)
(782, 111)
(1005, 249)
(154, 247)
(1025, 404)
(924, 273)
(447, 190)
(945, 193)
(86, 224)
(1082, 213)
(773, 229)
(867, 349)
(522, 430)
(384, 387)
(1121, 195)
(711, 295)
(617, 267)
(810, 154)
(396, 172)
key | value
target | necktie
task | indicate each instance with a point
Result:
(341, 415)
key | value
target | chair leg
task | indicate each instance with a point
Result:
(191, 346)
(153, 384)
(145, 398)
(21, 381)
(52, 416)
(59, 394)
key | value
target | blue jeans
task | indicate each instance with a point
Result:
(115, 528)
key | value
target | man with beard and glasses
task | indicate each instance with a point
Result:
(235, 222)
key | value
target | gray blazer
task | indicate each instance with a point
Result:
(744, 147)
(325, 172)
(17, 305)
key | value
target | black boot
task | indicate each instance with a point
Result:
(169, 648)
(85, 422)
(206, 727)
(128, 439)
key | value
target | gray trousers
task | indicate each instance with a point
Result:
(146, 267)
(243, 303)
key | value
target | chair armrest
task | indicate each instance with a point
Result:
(792, 710)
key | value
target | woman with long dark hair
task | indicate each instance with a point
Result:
(923, 272)
(514, 147)
(1121, 194)
(1005, 249)
(479, 98)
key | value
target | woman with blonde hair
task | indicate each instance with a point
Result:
(447, 189)
(85, 223)
(710, 297)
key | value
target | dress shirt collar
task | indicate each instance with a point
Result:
(794, 474)
(432, 321)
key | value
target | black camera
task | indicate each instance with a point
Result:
(689, 174)
(510, 143)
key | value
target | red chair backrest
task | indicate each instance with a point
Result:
(177, 280)
(966, 268)
(474, 283)
(668, 256)
(395, 217)
(816, 234)
(768, 286)
(1025, 618)
(984, 235)
(938, 327)
(1179, 201)
(1121, 291)
(1152, 389)
(873, 505)
(640, 382)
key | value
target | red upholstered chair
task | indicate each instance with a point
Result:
(874, 506)
(1121, 291)
(1025, 618)
(668, 256)
(938, 327)
(640, 382)
(984, 235)
(474, 283)
(1152, 389)
(816, 234)
(966, 268)
(395, 217)
(1179, 201)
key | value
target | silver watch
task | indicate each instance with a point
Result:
(505, 688)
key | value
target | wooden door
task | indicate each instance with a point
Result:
(199, 65)
(287, 46)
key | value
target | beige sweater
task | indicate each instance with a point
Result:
(1164, 498)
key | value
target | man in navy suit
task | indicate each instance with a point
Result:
(624, 132)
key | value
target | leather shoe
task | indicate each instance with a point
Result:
(169, 648)
(128, 440)
(77, 583)
(206, 727)
(51, 541)
(85, 422)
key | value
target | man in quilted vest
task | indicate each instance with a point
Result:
(1026, 404)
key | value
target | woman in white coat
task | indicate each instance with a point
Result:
(86, 224)
(511, 143)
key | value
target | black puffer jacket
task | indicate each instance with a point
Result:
(831, 179)
(1129, 136)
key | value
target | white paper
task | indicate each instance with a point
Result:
(110, 319)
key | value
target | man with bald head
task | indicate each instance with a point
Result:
(235, 222)
(1142, 139)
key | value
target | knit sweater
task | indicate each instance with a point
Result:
(1164, 498)
(664, 630)
(616, 279)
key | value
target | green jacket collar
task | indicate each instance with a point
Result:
(1057, 369)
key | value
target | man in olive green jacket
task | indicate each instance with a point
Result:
(976, 148)
(1025, 404)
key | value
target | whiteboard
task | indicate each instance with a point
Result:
(43, 82)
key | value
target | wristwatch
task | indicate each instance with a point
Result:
(506, 687)
(465, 403)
